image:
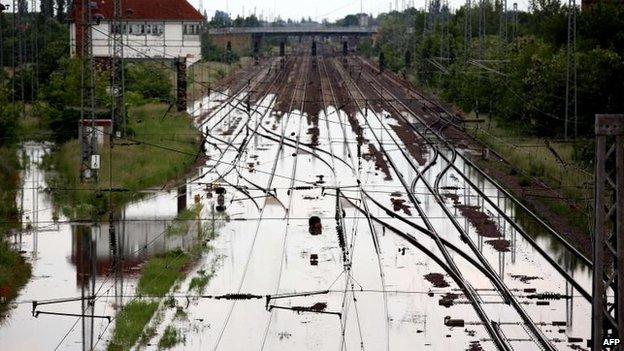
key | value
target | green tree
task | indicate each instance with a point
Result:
(150, 80)
(9, 115)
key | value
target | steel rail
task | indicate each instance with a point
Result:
(501, 287)
(246, 140)
(501, 212)
(388, 211)
(287, 216)
(229, 314)
(500, 188)
(366, 213)
(468, 289)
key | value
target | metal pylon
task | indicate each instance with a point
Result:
(468, 29)
(117, 81)
(87, 136)
(608, 240)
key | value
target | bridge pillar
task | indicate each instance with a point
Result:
(256, 39)
(282, 52)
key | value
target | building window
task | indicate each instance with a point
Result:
(140, 29)
(191, 29)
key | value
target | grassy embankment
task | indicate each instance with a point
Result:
(532, 160)
(165, 149)
(556, 168)
(157, 277)
(203, 74)
(159, 274)
(14, 270)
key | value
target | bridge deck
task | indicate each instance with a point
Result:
(294, 30)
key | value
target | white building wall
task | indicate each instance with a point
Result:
(170, 44)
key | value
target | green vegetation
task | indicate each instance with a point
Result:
(129, 324)
(9, 181)
(148, 81)
(14, 273)
(204, 275)
(158, 157)
(158, 276)
(204, 73)
(514, 77)
(147, 334)
(521, 82)
(161, 272)
(170, 338)
(14, 270)
(550, 161)
(199, 283)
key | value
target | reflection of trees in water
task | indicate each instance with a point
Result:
(557, 250)
(534, 229)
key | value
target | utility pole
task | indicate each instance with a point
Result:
(502, 30)
(571, 70)
(88, 136)
(2, 9)
(481, 23)
(441, 21)
(117, 86)
(467, 29)
(515, 20)
(608, 241)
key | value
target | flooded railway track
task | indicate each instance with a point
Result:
(386, 101)
(346, 226)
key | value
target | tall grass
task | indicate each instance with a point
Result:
(129, 324)
(532, 158)
(161, 272)
(205, 73)
(14, 270)
(161, 148)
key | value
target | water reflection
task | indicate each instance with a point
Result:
(76, 261)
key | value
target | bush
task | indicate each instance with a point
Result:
(8, 124)
(151, 80)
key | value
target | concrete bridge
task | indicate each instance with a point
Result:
(249, 39)
(296, 31)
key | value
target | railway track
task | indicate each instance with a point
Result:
(434, 189)
(346, 176)
(469, 291)
(366, 210)
(451, 164)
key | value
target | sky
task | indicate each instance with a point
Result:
(316, 9)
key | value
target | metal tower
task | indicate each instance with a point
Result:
(503, 27)
(571, 70)
(88, 136)
(117, 81)
(608, 241)
(468, 29)
(481, 23)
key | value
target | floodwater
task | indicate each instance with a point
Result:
(369, 289)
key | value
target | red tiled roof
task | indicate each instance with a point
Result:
(149, 10)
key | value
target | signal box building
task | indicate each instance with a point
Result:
(167, 29)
